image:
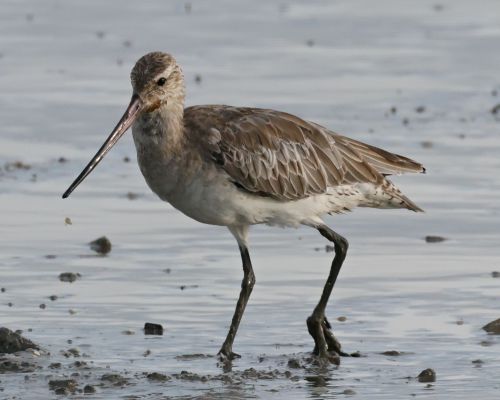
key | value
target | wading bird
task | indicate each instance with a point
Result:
(239, 166)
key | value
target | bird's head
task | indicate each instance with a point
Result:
(157, 82)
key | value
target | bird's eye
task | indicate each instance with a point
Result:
(161, 81)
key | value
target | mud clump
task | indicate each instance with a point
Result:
(114, 380)
(493, 327)
(293, 363)
(434, 239)
(391, 353)
(89, 389)
(191, 377)
(158, 377)
(11, 342)
(63, 386)
(15, 366)
(69, 277)
(153, 329)
(427, 375)
(101, 245)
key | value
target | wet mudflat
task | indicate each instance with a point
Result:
(419, 79)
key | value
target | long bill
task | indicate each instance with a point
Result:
(125, 122)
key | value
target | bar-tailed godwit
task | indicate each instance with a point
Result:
(239, 166)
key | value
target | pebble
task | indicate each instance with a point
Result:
(69, 276)
(101, 245)
(427, 375)
(434, 239)
(153, 329)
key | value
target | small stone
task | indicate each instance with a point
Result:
(132, 196)
(341, 318)
(50, 256)
(100, 34)
(393, 110)
(101, 245)
(293, 363)
(73, 352)
(69, 276)
(427, 144)
(127, 43)
(349, 392)
(427, 375)
(329, 248)
(53, 297)
(67, 221)
(493, 327)
(434, 239)
(197, 78)
(496, 110)
(128, 332)
(42, 306)
(406, 121)
(153, 329)
(126, 159)
(62, 160)
(89, 389)
(2, 290)
(71, 311)
(310, 43)
(477, 362)
(55, 365)
(494, 274)
(147, 353)
(420, 109)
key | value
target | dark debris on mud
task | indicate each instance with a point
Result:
(11, 342)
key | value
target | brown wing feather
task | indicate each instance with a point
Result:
(282, 156)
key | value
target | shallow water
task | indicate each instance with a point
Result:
(64, 70)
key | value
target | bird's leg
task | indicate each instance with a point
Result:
(326, 345)
(226, 351)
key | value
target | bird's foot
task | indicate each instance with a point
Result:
(226, 354)
(327, 347)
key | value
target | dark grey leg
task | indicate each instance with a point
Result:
(226, 351)
(326, 346)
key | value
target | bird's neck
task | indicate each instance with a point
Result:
(162, 128)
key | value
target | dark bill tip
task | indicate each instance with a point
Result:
(126, 120)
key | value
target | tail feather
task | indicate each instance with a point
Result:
(384, 162)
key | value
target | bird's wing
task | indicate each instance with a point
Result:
(279, 155)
